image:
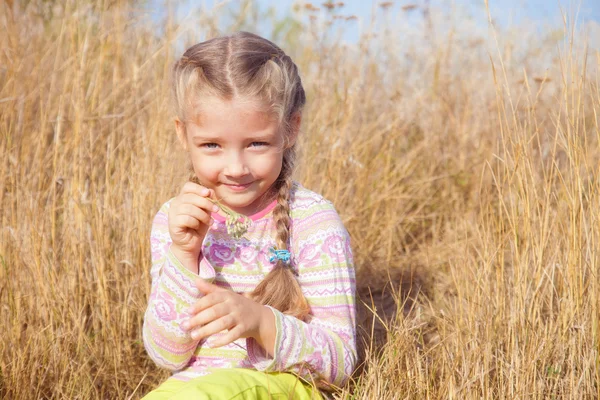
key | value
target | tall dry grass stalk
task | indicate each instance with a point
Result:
(464, 168)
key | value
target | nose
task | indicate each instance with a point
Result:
(236, 166)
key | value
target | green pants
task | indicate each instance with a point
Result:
(238, 384)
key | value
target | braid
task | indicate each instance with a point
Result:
(281, 213)
(280, 289)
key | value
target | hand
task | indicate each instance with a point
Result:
(189, 220)
(220, 309)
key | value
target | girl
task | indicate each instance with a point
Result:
(266, 314)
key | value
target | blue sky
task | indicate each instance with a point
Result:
(533, 14)
(537, 10)
(504, 12)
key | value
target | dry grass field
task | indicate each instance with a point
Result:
(465, 165)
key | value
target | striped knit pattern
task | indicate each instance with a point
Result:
(324, 349)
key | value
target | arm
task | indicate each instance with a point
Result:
(172, 291)
(325, 347)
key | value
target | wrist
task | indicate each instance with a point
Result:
(189, 260)
(267, 330)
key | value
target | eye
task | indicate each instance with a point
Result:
(258, 144)
(210, 145)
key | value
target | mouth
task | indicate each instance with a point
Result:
(237, 187)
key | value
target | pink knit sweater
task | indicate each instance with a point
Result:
(323, 349)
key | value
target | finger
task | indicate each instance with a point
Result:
(204, 303)
(214, 327)
(191, 187)
(193, 211)
(187, 221)
(200, 202)
(231, 336)
(207, 316)
(207, 287)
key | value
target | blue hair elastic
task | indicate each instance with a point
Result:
(283, 255)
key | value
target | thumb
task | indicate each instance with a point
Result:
(206, 287)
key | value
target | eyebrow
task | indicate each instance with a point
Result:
(198, 137)
(265, 137)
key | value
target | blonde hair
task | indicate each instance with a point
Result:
(247, 66)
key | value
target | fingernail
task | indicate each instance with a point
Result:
(205, 192)
(185, 325)
(215, 208)
(194, 335)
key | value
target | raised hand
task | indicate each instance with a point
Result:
(189, 220)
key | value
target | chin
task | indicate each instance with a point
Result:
(235, 201)
(250, 207)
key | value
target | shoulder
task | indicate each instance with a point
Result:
(305, 200)
(164, 208)
(160, 218)
(310, 211)
(318, 235)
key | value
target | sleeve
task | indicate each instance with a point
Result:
(324, 349)
(172, 292)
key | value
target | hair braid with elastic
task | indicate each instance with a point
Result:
(280, 288)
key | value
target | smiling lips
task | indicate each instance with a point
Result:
(238, 188)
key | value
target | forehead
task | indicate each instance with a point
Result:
(217, 116)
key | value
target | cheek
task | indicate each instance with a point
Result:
(269, 165)
(207, 169)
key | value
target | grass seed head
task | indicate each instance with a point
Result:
(237, 224)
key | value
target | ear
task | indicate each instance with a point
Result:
(181, 133)
(295, 123)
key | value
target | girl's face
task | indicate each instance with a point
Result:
(236, 150)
